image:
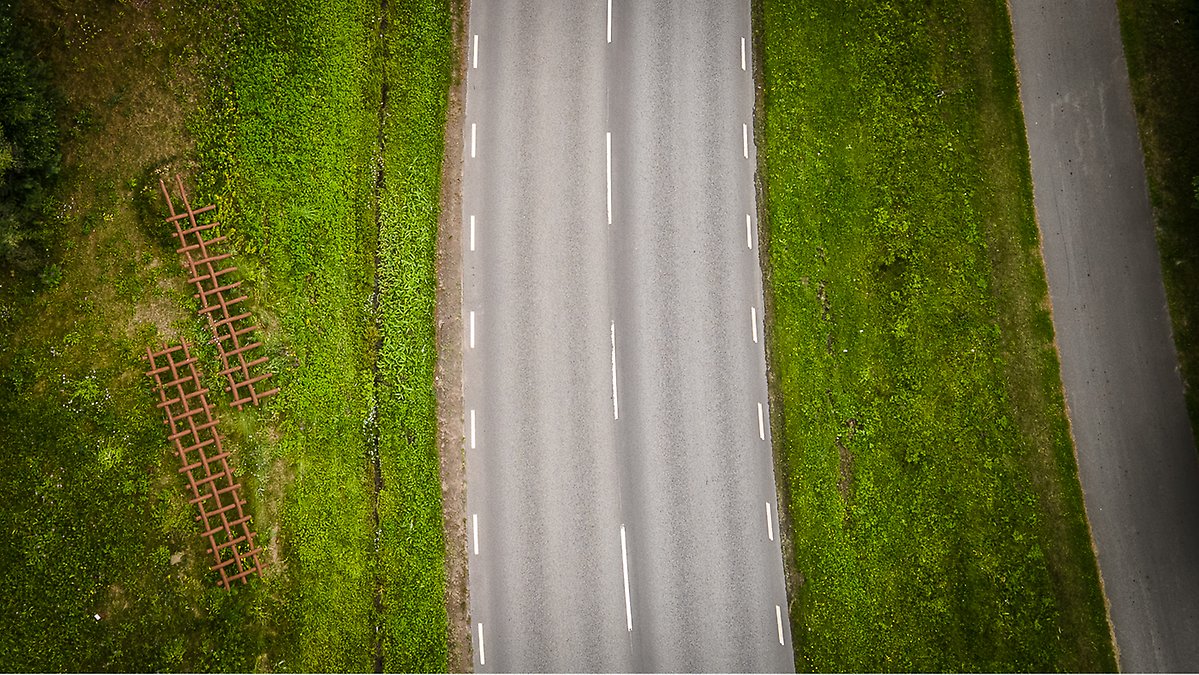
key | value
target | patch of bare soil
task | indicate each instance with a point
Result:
(448, 376)
(162, 313)
(845, 482)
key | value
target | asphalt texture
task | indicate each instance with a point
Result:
(1136, 455)
(670, 475)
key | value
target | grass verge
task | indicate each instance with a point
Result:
(419, 61)
(935, 513)
(1161, 45)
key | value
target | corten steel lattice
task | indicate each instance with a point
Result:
(192, 425)
(218, 299)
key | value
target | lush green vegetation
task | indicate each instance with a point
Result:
(1161, 43)
(286, 150)
(95, 519)
(418, 63)
(275, 111)
(935, 514)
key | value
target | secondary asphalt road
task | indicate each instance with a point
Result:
(620, 484)
(1136, 457)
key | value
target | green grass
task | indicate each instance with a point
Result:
(935, 514)
(94, 512)
(1161, 44)
(274, 109)
(286, 150)
(418, 65)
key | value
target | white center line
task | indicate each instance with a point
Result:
(742, 50)
(749, 242)
(624, 558)
(472, 427)
(472, 233)
(761, 426)
(778, 619)
(609, 21)
(753, 320)
(475, 517)
(609, 174)
(472, 139)
(744, 140)
(472, 330)
(615, 400)
(482, 651)
(474, 63)
(769, 528)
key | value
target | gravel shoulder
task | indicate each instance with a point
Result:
(448, 378)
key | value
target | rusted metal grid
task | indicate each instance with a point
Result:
(232, 333)
(205, 463)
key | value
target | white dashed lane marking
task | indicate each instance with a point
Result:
(624, 559)
(769, 527)
(482, 650)
(615, 397)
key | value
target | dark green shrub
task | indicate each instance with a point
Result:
(29, 154)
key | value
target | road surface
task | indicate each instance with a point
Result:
(1136, 457)
(620, 484)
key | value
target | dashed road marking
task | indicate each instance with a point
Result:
(761, 425)
(472, 330)
(608, 154)
(744, 140)
(472, 428)
(482, 650)
(778, 619)
(472, 233)
(753, 320)
(475, 518)
(609, 21)
(615, 398)
(472, 139)
(749, 240)
(742, 50)
(475, 54)
(769, 527)
(624, 559)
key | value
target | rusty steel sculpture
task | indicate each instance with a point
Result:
(218, 299)
(205, 463)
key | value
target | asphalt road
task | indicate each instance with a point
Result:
(619, 472)
(1136, 457)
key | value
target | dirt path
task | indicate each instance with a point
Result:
(448, 377)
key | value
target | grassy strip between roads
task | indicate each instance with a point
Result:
(1161, 43)
(274, 111)
(935, 515)
(418, 66)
